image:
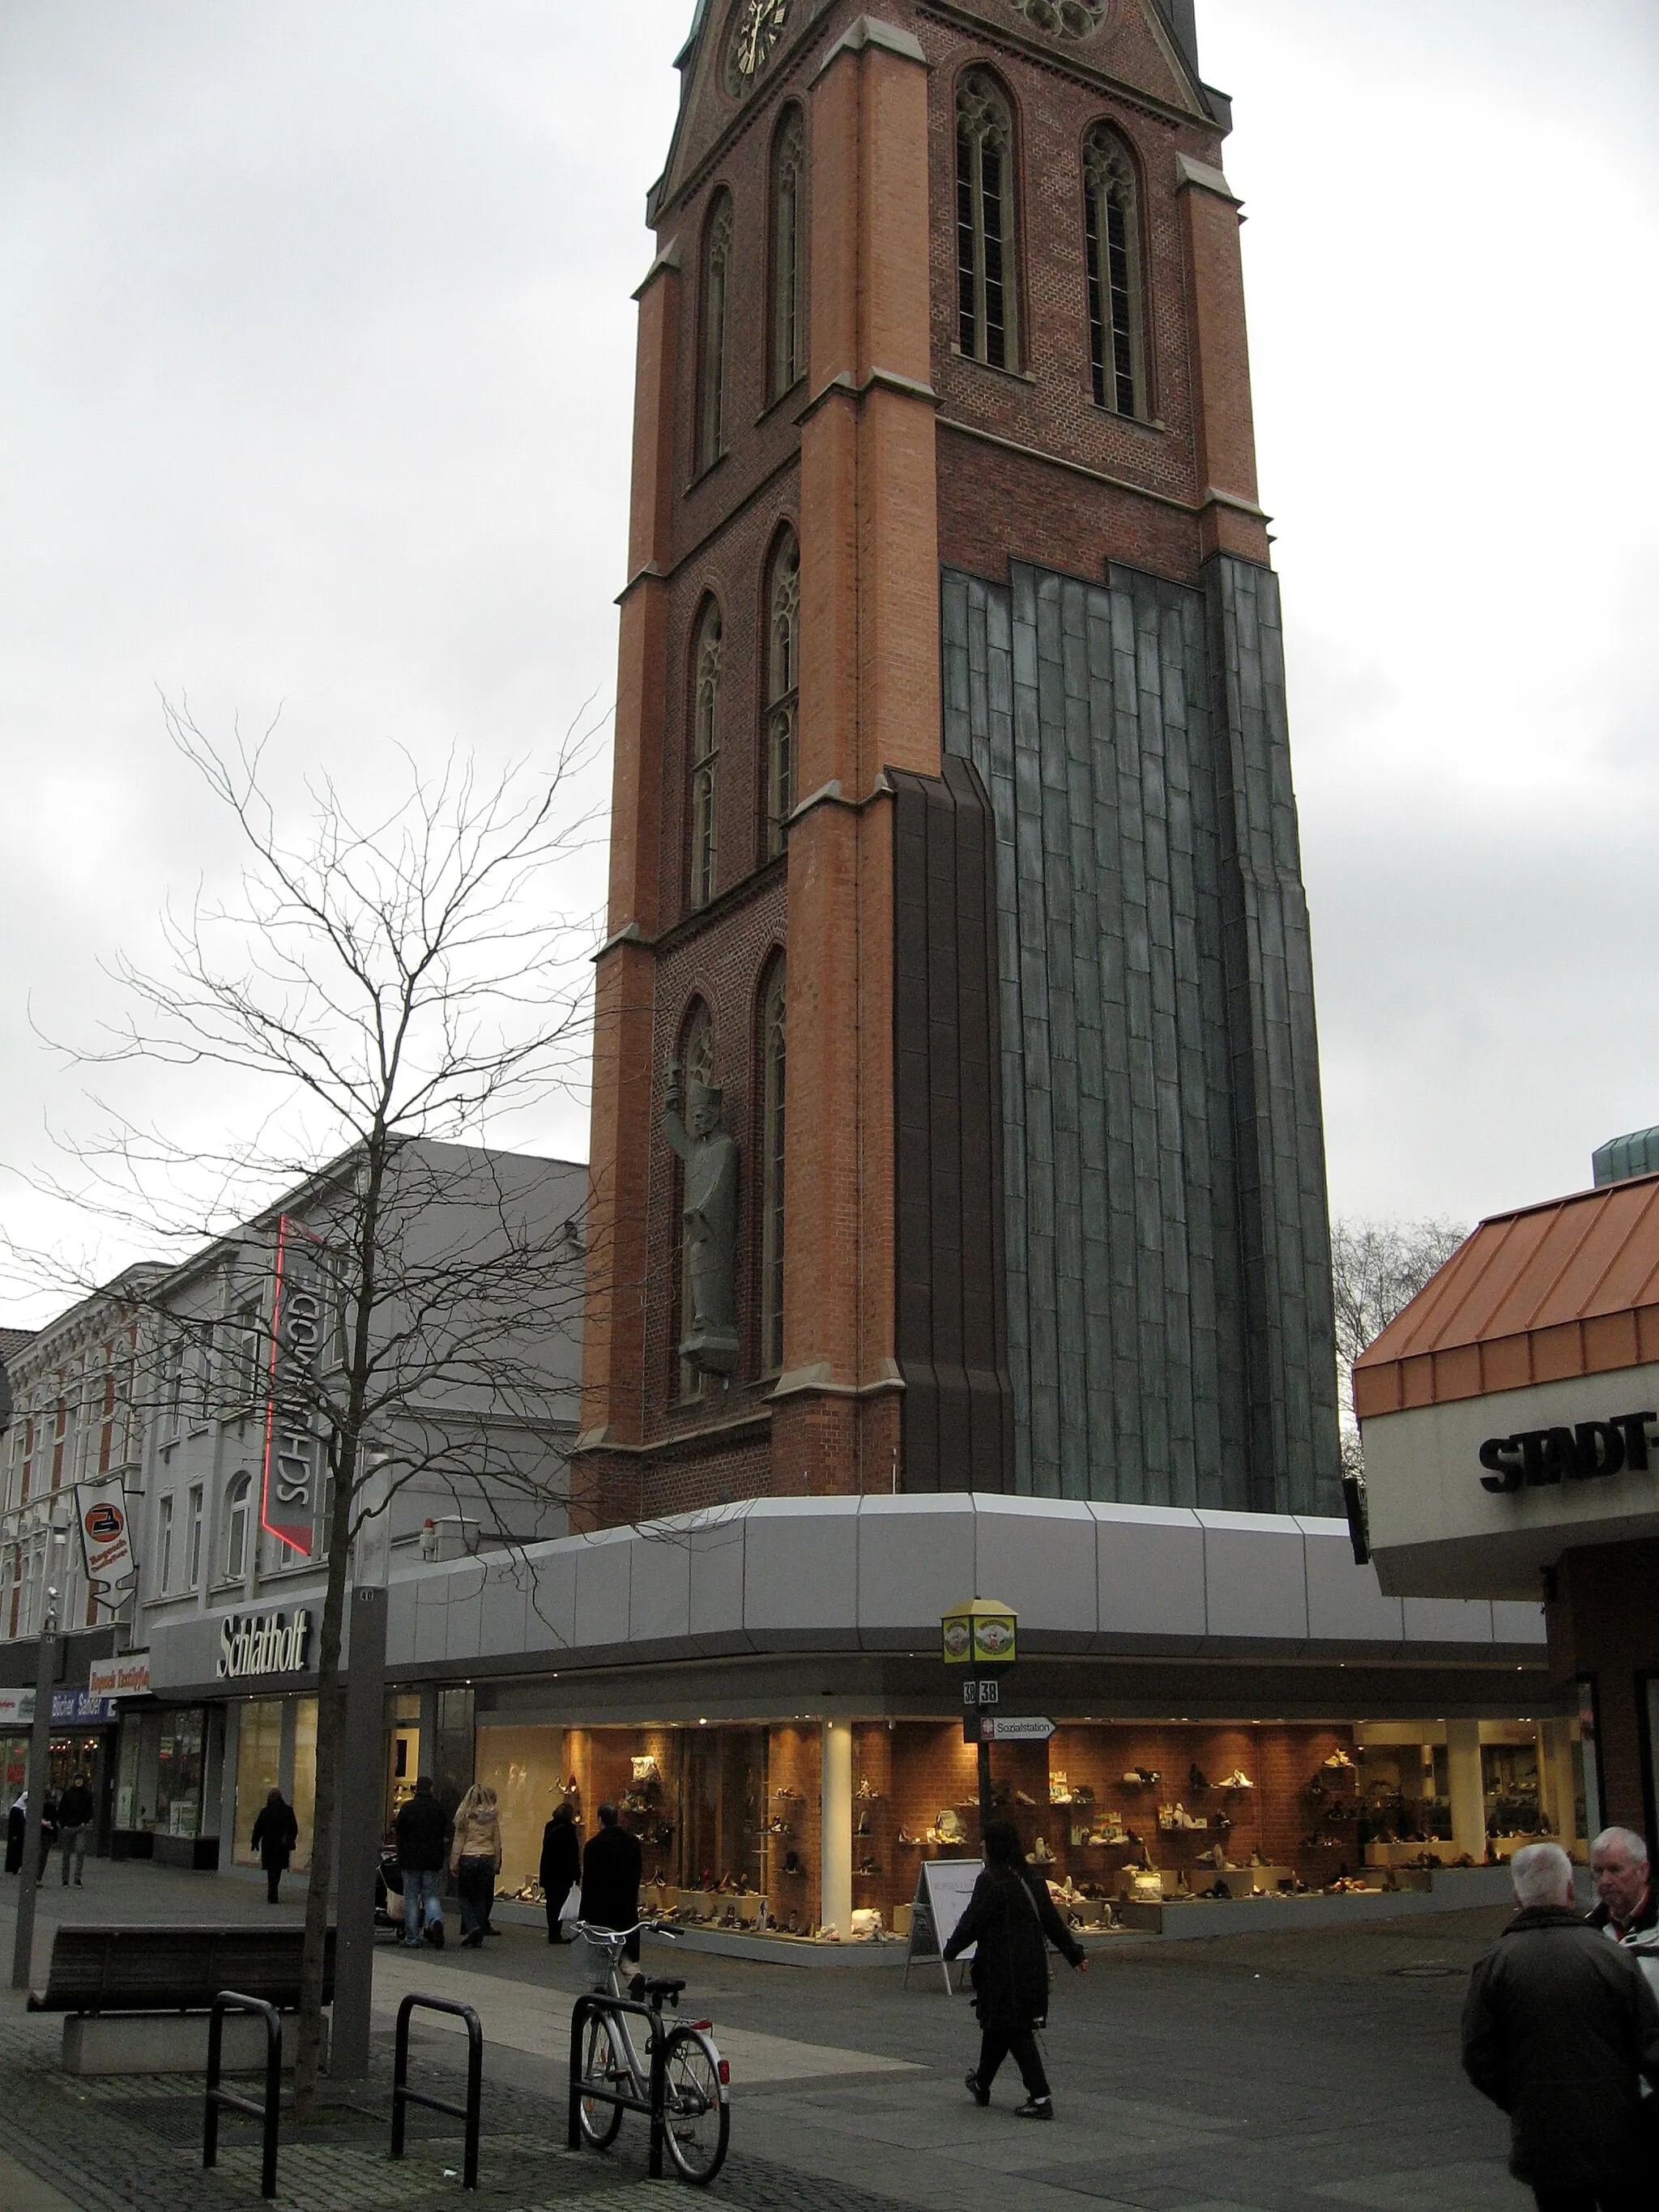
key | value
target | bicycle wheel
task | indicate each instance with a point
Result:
(603, 2065)
(696, 2119)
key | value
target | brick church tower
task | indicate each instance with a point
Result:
(955, 883)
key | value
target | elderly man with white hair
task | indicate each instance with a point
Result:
(1624, 1905)
(1560, 2030)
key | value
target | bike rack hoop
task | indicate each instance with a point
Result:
(402, 2095)
(233, 2001)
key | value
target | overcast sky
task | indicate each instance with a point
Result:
(315, 376)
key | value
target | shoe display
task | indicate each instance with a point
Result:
(1195, 1776)
(1141, 1777)
(1020, 1798)
(980, 2096)
(1339, 1762)
(1237, 1780)
(1040, 1854)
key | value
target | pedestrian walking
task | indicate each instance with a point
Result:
(475, 1861)
(423, 1834)
(16, 1827)
(276, 1833)
(562, 1865)
(1011, 1919)
(1560, 2030)
(76, 1811)
(612, 1864)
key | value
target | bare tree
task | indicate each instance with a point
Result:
(377, 993)
(1377, 1268)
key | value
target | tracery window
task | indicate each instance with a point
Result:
(716, 288)
(696, 1063)
(705, 753)
(986, 322)
(1117, 348)
(771, 1169)
(782, 687)
(789, 347)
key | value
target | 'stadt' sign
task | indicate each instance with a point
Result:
(1532, 1459)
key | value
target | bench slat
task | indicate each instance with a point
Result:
(160, 1969)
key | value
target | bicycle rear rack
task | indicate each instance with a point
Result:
(592, 2002)
(233, 2001)
(402, 2095)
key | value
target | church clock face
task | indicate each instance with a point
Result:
(757, 28)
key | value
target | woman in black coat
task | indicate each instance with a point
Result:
(1010, 1918)
(275, 1832)
(562, 1865)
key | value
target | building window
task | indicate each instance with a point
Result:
(1117, 348)
(788, 254)
(164, 1547)
(696, 1063)
(705, 753)
(203, 1355)
(193, 1539)
(987, 325)
(716, 288)
(782, 688)
(173, 1384)
(249, 1365)
(771, 1165)
(237, 1499)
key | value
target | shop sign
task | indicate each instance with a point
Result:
(126, 1675)
(82, 1705)
(1533, 1459)
(106, 1537)
(1016, 1728)
(981, 1634)
(299, 1316)
(264, 1643)
(16, 1708)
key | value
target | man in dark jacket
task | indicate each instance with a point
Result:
(561, 1864)
(423, 1834)
(76, 1811)
(1559, 2028)
(1011, 1918)
(611, 1865)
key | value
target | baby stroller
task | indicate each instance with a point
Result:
(389, 1892)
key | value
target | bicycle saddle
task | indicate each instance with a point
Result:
(665, 1985)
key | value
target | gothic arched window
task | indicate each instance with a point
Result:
(771, 1169)
(715, 302)
(1117, 345)
(705, 752)
(782, 686)
(788, 306)
(695, 1057)
(986, 321)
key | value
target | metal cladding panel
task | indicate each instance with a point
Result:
(1516, 1622)
(432, 1619)
(400, 1622)
(795, 1587)
(1255, 1580)
(504, 1625)
(464, 1626)
(916, 1561)
(604, 1565)
(1449, 1619)
(1345, 1604)
(717, 1547)
(550, 1609)
(660, 1593)
(1149, 1569)
(1035, 1555)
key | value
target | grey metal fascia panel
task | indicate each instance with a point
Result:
(793, 1590)
(1345, 1604)
(1149, 1576)
(716, 1544)
(1450, 1622)
(1035, 1554)
(603, 1574)
(551, 1598)
(504, 1610)
(916, 1561)
(1255, 1581)
(659, 1589)
(1518, 1621)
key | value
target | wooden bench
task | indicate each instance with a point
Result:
(131, 1981)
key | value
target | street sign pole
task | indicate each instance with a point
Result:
(981, 1637)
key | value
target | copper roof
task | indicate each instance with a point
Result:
(1567, 1288)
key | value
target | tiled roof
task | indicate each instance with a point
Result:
(12, 1340)
(1568, 1288)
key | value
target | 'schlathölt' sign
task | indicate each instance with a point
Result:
(1532, 1459)
(288, 1496)
(265, 1642)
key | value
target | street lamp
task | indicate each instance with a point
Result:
(982, 1638)
(45, 1674)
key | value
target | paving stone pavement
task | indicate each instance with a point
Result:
(1299, 2071)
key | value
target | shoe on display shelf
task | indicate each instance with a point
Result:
(1195, 1776)
(1339, 1762)
(1237, 1780)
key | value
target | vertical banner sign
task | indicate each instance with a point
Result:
(106, 1538)
(287, 1497)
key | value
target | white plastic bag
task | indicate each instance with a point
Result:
(572, 1908)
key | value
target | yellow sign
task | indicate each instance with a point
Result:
(980, 1634)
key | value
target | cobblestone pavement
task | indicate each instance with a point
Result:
(1275, 2071)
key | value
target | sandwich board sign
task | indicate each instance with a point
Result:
(943, 1889)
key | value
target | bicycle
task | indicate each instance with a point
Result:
(681, 2084)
